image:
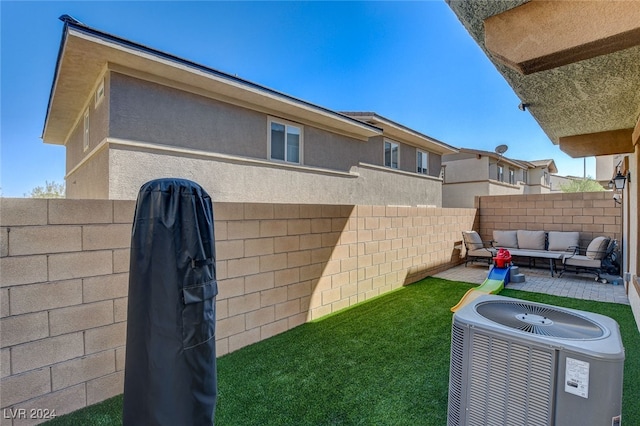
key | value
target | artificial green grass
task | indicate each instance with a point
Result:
(383, 362)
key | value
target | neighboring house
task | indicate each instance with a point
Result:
(472, 172)
(575, 68)
(127, 114)
(607, 166)
(557, 182)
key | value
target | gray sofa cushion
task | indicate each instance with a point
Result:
(472, 240)
(582, 261)
(597, 248)
(531, 240)
(561, 241)
(506, 239)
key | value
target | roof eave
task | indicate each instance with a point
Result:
(107, 49)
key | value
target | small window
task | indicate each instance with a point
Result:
(525, 179)
(500, 174)
(512, 176)
(85, 134)
(99, 93)
(391, 154)
(422, 161)
(285, 142)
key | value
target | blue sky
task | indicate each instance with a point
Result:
(412, 62)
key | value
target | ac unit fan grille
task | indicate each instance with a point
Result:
(540, 320)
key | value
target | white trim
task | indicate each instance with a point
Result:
(86, 127)
(207, 155)
(384, 150)
(99, 94)
(286, 123)
(426, 154)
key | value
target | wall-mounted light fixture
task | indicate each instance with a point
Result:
(523, 106)
(619, 180)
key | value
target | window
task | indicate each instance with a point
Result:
(422, 161)
(500, 174)
(99, 94)
(85, 134)
(525, 179)
(512, 176)
(391, 154)
(547, 179)
(285, 142)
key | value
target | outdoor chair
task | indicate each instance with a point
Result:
(476, 248)
(590, 261)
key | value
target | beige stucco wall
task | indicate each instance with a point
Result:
(463, 194)
(64, 282)
(466, 169)
(149, 112)
(246, 180)
(90, 179)
(173, 132)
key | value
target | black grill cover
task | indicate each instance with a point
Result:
(170, 367)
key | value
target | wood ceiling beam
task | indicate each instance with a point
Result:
(542, 35)
(601, 143)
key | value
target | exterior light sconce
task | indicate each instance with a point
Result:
(620, 180)
(523, 106)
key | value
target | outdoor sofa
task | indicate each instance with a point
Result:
(553, 246)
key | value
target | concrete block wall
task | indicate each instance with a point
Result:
(591, 213)
(280, 265)
(63, 290)
(64, 280)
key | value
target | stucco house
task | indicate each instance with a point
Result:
(576, 68)
(127, 113)
(470, 172)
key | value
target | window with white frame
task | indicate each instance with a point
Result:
(422, 162)
(85, 133)
(285, 141)
(512, 176)
(500, 174)
(391, 154)
(99, 94)
(525, 178)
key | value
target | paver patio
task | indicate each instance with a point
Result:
(538, 280)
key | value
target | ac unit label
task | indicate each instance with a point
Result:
(576, 377)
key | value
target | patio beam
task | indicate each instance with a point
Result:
(542, 35)
(601, 143)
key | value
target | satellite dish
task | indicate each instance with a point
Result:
(501, 149)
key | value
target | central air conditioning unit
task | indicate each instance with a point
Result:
(520, 363)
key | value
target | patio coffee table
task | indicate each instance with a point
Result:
(551, 255)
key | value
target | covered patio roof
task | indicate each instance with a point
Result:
(574, 65)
